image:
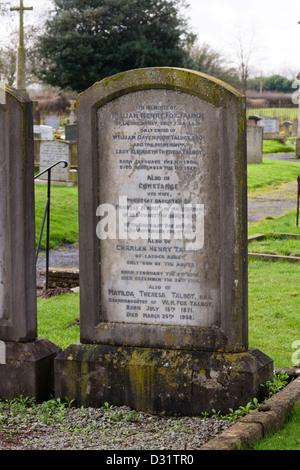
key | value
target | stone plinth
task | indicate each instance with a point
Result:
(161, 380)
(28, 370)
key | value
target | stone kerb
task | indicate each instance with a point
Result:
(27, 368)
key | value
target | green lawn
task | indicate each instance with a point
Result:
(284, 224)
(274, 306)
(57, 319)
(274, 244)
(270, 173)
(273, 146)
(63, 214)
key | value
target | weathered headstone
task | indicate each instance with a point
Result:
(52, 152)
(28, 367)
(52, 121)
(270, 125)
(254, 143)
(163, 301)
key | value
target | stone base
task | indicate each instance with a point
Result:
(160, 380)
(28, 369)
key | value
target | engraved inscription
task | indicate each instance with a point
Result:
(159, 148)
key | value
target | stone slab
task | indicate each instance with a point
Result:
(254, 144)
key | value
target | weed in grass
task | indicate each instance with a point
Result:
(279, 381)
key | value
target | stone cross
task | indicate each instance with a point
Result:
(21, 80)
(72, 110)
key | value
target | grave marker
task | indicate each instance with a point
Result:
(163, 301)
(52, 152)
(43, 132)
(52, 121)
(270, 125)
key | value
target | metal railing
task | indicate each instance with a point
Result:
(47, 215)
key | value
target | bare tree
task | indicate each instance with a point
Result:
(246, 52)
(207, 60)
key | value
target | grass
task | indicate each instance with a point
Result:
(284, 224)
(274, 310)
(270, 173)
(276, 244)
(63, 214)
(56, 319)
(273, 146)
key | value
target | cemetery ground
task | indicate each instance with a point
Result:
(274, 306)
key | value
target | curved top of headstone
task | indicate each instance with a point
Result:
(196, 83)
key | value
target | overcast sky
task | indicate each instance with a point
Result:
(270, 26)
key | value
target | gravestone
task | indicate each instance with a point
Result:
(163, 247)
(270, 125)
(52, 152)
(52, 121)
(27, 368)
(254, 143)
(71, 132)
